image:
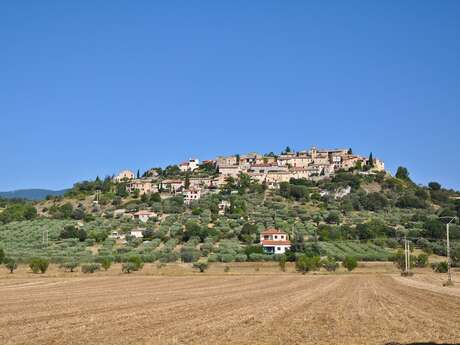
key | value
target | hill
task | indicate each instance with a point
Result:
(218, 210)
(31, 194)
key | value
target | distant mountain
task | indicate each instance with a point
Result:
(31, 194)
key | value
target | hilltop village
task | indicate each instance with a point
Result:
(193, 179)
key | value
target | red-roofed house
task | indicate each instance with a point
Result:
(275, 241)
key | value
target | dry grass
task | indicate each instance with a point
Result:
(271, 308)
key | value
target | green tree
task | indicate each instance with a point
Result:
(90, 268)
(69, 266)
(434, 186)
(10, 264)
(306, 263)
(370, 162)
(39, 265)
(2, 255)
(187, 180)
(201, 265)
(350, 263)
(106, 262)
(402, 173)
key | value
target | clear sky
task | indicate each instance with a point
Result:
(91, 87)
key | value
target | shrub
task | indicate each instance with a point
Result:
(90, 268)
(226, 257)
(422, 260)
(350, 263)
(201, 265)
(257, 257)
(227, 269)
(129, 267)
(136, 261)
(39, 265)
(241, 257)
(306, 263)
(329, 264)
(10, 264)
(69, 266)
(440, 267)
(282, 263)
(189, 254)
(106, 262)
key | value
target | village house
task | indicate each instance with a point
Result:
(172, 186)
(144, 215)
(265, 160)
(226, 161)
(201, 182)
(224, 205)
(229, 170)
(117, 235)
(137, 233)
(125, 175)
(190, 165)
(191, 195)
(274, 241)
(144, 186)
(274, 178)
(265, 168)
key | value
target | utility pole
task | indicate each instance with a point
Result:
(449, 263)
(406, 271)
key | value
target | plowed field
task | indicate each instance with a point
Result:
(277, 309)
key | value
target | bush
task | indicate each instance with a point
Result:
(241, 257)
(227, 269)
(129, 267)
(189, 254)
(440, 267)
(39, 265)
(69, 266)
(257, 257)
(350, 263)
(306, 263)
(282, 263)
(2, 255)
(136, 261)
(106, 262)
(422, 260)
(201, 265)
(329, 264)
(10, 264)
(90, 268)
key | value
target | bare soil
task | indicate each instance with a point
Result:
(281, 308)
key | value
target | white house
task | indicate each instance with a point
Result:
(117, 235)
(190, 165)
(172, 186)
(144, 216)
(274, 241)
(224, 205)
(137, 233)
(191, 195)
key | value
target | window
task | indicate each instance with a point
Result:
(278, 248)
(276, 237)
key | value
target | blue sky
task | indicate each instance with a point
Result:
(91, 87)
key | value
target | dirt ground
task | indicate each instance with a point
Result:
(281, 308)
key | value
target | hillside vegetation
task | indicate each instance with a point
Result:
(368, 222)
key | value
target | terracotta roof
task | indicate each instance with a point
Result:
(273, 231)
(275, 243)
